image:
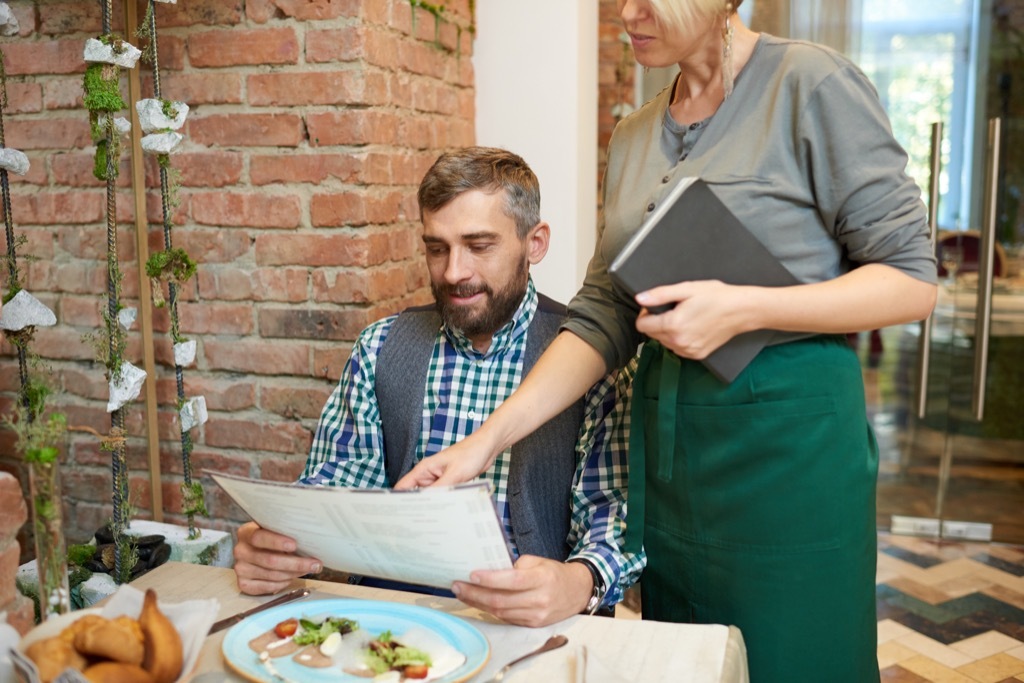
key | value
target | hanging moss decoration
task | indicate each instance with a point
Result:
(171, 265)
(99, 166)
(103, 88)
(192, 502)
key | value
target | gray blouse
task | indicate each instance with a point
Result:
(802, 153)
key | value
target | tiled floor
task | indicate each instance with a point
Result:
(950, 612)
(947, 612)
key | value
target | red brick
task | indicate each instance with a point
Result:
(84, 242)
(54, 208)
(71, 17)
(353, 87)
(281, 437)
(353, 208)
(86, 384)
(81, 311)
(215, 318)
(260, 11)
(21, 614)
(10, 559)
(329, 361)
(251, 210)
(201, 169)
(75, 169)
(234, 47)
(281, 357)
(352, 43)
(223, 282)
(50, 133)
(335, 44)
(295, 402)
(36, 174)
(209, 13)
(262, 130)
(282, 470)
(24, 98)
(352, 127)
(215, 462)
(26, 14)
(422, 58)
(46, 57)
(321, 250)
(199, 88)
(363, 286)
(13, 512)
(304, 168)
(213, 246)
(83, 485)
(291, 323)
(222, 394)
(171, 56)
(63, 93)
(82, 277)
(314, 10)
(263, 284)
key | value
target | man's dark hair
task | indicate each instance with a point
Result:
(488, 169)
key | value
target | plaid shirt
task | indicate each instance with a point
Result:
(464, 386)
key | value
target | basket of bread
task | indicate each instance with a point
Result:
(132, 639)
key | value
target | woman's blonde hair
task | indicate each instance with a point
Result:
(678, 15)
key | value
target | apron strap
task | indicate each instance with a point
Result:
(664, 435)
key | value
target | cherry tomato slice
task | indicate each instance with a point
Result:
(415, 671)
(287, 628)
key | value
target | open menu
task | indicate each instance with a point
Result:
(430, 537)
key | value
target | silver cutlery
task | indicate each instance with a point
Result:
(552, 643)
(280, 600)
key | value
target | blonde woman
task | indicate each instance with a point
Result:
(754, 499)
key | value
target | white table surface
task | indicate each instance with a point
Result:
(635, 650)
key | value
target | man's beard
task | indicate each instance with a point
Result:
(498, 307)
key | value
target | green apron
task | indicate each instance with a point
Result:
(757, 503)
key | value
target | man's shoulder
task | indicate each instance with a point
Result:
(548, 306)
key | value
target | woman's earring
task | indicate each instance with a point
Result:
(727, 68)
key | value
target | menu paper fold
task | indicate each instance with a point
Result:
(429, 537)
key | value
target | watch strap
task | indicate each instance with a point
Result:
(598, 593)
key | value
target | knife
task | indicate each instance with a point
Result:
(279, 600)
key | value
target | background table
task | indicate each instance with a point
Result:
(636, 650)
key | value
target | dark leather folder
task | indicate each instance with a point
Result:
(694, 236)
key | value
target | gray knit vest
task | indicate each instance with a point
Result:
(542, 465)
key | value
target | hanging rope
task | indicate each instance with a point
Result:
(172, 288)
(12, 252)
(118, 460)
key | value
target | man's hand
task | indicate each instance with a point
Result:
(265, 562)
(536, 592)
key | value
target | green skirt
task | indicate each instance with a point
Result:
(757, 502)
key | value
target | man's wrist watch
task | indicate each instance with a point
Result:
(596, 595)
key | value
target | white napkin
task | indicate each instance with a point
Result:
(589, 669)
(192, 619)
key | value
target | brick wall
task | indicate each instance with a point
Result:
(12, 515)
(615, 77)
(312, 122)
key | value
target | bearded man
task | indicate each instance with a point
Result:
(419, 381)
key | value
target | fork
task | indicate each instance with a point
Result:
(552, 643)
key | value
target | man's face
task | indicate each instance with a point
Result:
(478, 265)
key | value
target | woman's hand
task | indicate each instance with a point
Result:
(462, 461)
(707, 314)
